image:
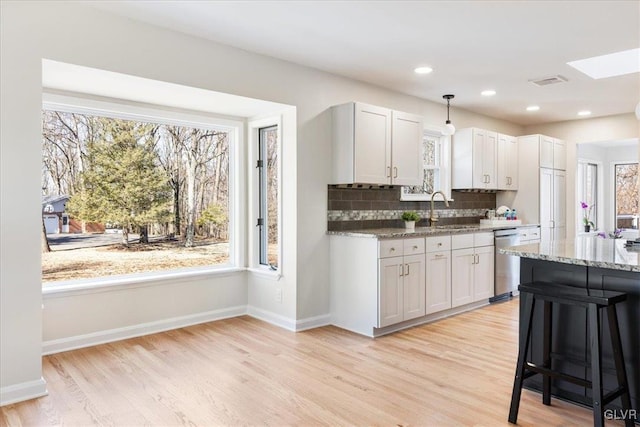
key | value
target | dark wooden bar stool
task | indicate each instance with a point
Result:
(593, 301)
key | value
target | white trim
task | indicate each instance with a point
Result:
(599, 196)
(612, 175)
(23, 391)
(265, 272)
(132, 281)
(117, 334)
(313, 322)
(271, 317)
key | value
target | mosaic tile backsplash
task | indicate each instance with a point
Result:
(353, 208)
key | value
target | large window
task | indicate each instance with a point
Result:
(588, 191)
(435, 168)
(268, 179)
(136, 194)
(627, 188)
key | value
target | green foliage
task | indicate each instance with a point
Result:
(214, 214)
(410, 216)
(122, 183)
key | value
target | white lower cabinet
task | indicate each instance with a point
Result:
(438, 295)
(472, 275)
(401, 281)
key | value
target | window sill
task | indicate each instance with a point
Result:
(265, 272)
(113, 283)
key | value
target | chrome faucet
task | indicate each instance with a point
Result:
(432, 218)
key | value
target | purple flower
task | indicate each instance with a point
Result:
(584, 205)
(602, 234)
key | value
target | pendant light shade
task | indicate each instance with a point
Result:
(449, 129)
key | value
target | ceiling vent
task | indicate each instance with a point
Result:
(546, 81)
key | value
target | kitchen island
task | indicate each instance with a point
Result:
(593, 263)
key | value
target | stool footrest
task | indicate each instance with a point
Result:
(555, 374)
(610, 397)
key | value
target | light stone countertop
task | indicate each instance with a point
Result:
(590, 251)
(440, 230)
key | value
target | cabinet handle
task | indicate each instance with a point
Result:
(439, 256)
(415, 247)
(392, 250)
(401, 270)
(440, 244)
(407, 273)
(388, 171)
(395, 172)
(488, 179)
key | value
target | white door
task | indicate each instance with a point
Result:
(503, 162)
(478, 146)
(414, 286)
(559, 154)
(372, 144)
(406, 143)
(489, 160)
(546, 204)
(483, 274)
(512, 162)
(390, 298)
(546, 151)
(438, 296)
(462, 262)
(559, 205)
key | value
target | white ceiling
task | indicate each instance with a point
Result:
(471, 45)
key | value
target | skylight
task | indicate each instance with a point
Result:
(611, 65)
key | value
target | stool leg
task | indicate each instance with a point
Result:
(546, 354)
(523, 348)
(596, 365)
(619, 360)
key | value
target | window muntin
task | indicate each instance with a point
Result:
(209, 149)
(268, 195)
(626, 190)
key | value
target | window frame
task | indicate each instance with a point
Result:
(613, 207)
(128, 110)
(444, 167)
(599, 195)
(255, 265)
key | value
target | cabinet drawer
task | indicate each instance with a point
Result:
(438, 243)
(461, 241)
(529, 234)
(413, 246)
(390, 248)
(483, 239)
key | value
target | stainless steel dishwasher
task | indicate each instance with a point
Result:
(507, 271)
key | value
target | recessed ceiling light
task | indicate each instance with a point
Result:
(423, 70)
(533, 108)
(613, 64)
(488, 92)
(584, 113)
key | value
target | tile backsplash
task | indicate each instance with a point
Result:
(354, 208)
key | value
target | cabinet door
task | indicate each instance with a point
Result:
(462, 276)
(483, 273)
(559, 154)
(438, 281)
(372, 144)
(414, 286)
(390, 298)
(546, 204)
(478, 139)
(546, 151)
(559, 205)
(406, 142)
(507, 175)
(489, 159)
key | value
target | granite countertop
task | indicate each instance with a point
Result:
(386, 233)
(586, 250)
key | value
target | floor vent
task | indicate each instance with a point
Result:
(545, 81)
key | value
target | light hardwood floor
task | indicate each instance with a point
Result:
(241, 371)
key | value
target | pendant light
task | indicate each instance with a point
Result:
(449, 129)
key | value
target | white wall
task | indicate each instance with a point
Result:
(71, 33)
(610, 128)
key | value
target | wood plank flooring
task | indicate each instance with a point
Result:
(243, 371)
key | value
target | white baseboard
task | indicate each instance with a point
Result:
(117, 334)
(23, 391)
(313, 322)
(273, 318)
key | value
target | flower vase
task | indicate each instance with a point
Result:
(587, 228)
(410, 225)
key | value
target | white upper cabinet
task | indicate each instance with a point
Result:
(475, 159)
(375, 145)
(507, 162)
(552, 152)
